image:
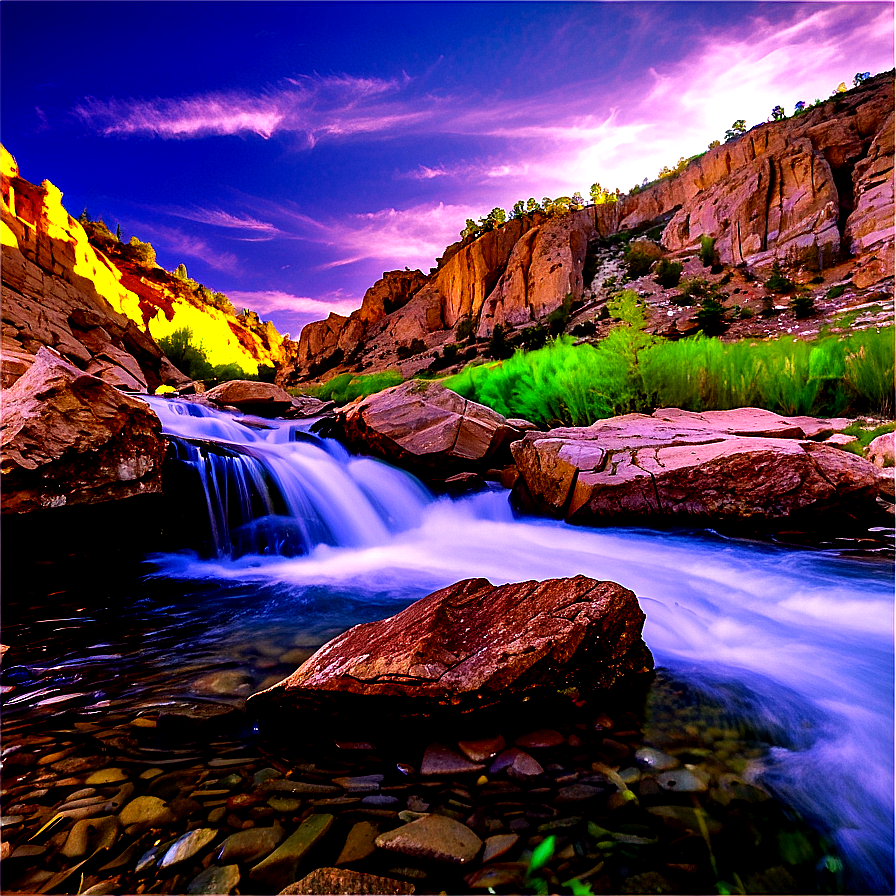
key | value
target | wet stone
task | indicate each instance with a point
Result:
(578, 792)
(189, 845)
(359, 844)
(285, 804)
(279, 868)
(483, 749)
(434, 837)
(281, 785)
(541, 739)
(360, 783)
(498, 845)
(89, 835)
(340, 881)
(380, 799)
(149, 811)
(656, 760)
(251, 845)
(215, 880)
(441, 760)
(107, 776)
(681, 780)
(516, 764)
(510, 874)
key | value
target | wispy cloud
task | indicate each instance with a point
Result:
(272, 301)
(176, 244)
(227, 220)
(312, 106)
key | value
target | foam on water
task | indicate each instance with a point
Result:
(810, 637)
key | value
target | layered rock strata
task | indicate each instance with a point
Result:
(473, 645)
(804, 192)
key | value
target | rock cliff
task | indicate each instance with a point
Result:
(61, 290)
(807, 192)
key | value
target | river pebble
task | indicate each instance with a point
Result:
(326, 881)
(189, 845)
(483, 749)
(279, 868)
(215, 880)
(441, 760)
(149, 811)
(359, 844)
(434, 837)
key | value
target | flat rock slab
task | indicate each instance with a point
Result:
(433, 837)
(682, 467)
(470, 646)
(341, 881)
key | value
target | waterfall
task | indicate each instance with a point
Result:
(273, 488)
(800, 642)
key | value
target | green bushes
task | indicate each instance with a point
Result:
(639, 256)
(563, 384)
(707, 251)
(188, 355)
(667, 273)
(778, 282)
(348, 386)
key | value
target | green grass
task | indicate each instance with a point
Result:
(348, 386)
(563, 384)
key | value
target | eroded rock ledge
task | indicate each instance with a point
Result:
(470, 646)
(686, 468)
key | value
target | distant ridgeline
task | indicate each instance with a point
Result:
(72, 285)
(782, 229)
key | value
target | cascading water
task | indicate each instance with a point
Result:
(275, 489)
(798, 642)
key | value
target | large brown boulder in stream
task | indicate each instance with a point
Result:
(69, 438)
(425, 427)
(471, 646)
(686, 468)
(251, 397)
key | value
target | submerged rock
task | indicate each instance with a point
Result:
(433, 837)
(677, 466)
(473, 645)
(341, 881)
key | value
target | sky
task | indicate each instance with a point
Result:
(290, 153)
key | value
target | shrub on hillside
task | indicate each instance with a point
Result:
(707, 251)
(639, 256)
(139, 253)
(667, 273)
(778, 282)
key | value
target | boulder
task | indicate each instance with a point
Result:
(471, 646)
(427, 428)
(263, 399)
(69, 438)
(880, 451)
(684, 468)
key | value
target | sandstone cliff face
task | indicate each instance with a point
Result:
(784, 191)
(804, 191)
(59, 290)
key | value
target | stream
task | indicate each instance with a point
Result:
(297, 540)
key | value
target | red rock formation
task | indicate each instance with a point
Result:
(426, 428)
(801, 191)
(473, 645)
(69, 438)
(680, 467)
(62, 291)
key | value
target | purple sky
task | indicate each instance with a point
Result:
(289, 153)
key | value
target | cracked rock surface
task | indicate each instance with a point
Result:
(472, 645)
(683, 467)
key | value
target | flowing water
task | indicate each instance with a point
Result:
(305, 539)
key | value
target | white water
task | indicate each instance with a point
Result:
(807, 636)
